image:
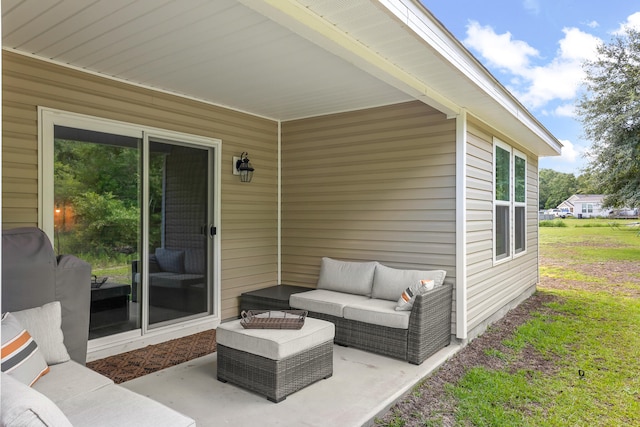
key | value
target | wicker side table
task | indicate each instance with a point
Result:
(271, 298)
(275, 362)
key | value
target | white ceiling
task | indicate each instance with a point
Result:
(281, 59)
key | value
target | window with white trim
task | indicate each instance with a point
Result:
(509, 202)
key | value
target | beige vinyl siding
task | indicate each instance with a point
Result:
(249, 211)
(492, 288)
(376, 184)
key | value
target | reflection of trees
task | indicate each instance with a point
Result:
(100, 184)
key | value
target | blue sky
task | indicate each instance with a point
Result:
(536, 48)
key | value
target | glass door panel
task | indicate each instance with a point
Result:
(179, 209)
(97, 193)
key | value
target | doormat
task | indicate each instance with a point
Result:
(136, 363)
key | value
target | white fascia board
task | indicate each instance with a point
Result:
(418, 19)
(302, 21)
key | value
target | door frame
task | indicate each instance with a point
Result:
(114, 344)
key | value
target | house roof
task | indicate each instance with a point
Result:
(281, 59)
(586, 198)
(582, 198)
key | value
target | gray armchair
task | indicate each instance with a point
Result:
(32, 276)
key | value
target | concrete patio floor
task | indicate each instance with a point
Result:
(363, 386)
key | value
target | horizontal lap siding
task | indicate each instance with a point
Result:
(490, 288)
(376, 184)
(249, 211)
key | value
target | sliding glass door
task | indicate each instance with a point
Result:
(139, 207)
(178, 231)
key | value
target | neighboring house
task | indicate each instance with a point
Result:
(374, 134)
(584, 206)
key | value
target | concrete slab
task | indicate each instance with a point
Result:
(363, 386)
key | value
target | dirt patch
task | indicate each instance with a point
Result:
(613, 277)
(431, 401)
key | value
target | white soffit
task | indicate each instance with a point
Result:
(217, 51)
(281, 59)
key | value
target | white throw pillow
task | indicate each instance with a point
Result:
(23, 406)
(21, 357)
(44, 324)
(389, 283)
(408, 297)
(345, 276)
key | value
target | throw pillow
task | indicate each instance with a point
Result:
(24, 406)
(344, 276)
(170, 260)
(405, 302)
(389, 282)
(21, 357)
(44, 324)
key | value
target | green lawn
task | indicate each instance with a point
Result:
(588, 339)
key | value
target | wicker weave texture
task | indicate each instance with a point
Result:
(429, 329)
(430, 324)
(275, 379)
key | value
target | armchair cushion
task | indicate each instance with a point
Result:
(44, 324)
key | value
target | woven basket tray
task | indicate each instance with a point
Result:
(273, 319)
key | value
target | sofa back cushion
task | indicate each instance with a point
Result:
(171, 260)
(389, 283)
(344, 276)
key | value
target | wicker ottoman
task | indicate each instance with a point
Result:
(275, 362)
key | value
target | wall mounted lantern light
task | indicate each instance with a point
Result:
(242, 166)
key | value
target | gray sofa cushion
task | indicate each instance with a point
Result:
(32, 276)
(275, 344)
(119, 406)
(324, 301)
(22, 406)
(44, 323)
(389, 283)
(70, 379)
(170, 260)
(344, 276)
(378, 312)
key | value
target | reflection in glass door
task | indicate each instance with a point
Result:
(109, 201)
(97, 218)
(178, 232)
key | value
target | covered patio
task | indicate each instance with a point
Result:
(363, 386)
(374, 135)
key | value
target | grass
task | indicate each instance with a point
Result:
(592, 240)
(589, 341)
(592, 340)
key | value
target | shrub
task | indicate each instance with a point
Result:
(553, 223)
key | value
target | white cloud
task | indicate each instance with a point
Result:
(572, 159)
(500, 50)
(565, 110)
(593, 24)
(535, 85)
(569, 153)
(633, 21)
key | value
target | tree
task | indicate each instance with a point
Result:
(610, 113)
(555, 188)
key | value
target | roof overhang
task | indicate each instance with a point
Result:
(281, 59)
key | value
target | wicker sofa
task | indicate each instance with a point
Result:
(176, 279)
(405, 314)
(49, 297)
